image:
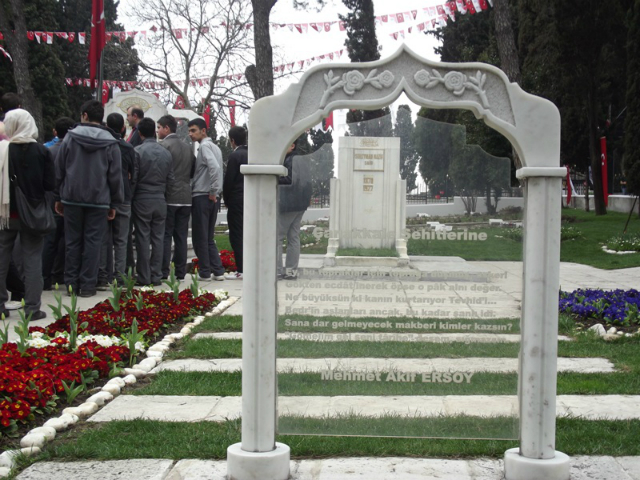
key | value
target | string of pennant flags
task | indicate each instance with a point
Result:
(195, 82)
(435, 15)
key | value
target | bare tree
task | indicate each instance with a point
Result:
(196, 40)
(12, 24)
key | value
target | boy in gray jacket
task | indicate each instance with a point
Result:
(176, 226)
(88, 186)
(206, 188)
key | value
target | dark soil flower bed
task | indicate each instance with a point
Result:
(36, 378)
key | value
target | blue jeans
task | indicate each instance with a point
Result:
(204, 213)
(84, 229)
(176, 227)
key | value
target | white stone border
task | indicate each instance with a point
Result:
(35, 439)
(615, 252)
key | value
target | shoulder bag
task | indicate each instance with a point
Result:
(36, 217)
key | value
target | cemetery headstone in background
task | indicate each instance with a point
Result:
(368, 201)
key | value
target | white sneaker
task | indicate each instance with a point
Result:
(218, 278)
(233, 276)
(12, 305)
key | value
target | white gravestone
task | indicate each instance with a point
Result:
(148, 102)
(368, 205)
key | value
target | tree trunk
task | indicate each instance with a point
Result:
(16, 40)
(260, 77)
(594, 154)
(509, 61)
(506, 40)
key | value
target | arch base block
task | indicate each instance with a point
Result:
(243, 465)
(517, 467)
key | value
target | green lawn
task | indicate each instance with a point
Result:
(139, 439)
(222, 241)
(587, 250)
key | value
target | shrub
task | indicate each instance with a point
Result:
(624, 243)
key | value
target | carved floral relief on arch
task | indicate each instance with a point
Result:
(431, 84)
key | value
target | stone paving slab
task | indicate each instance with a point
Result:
(417, 365)
(383, 337)
(217, 409)
(139, 469)
(631, 465)
(165, 407)
(389, 468)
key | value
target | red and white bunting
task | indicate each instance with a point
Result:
(6, 54)
(432, 13)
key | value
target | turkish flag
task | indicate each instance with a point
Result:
(470, 8)
(98, 38)
(328, 122)
(232, 112)
(207, 115)
(105, 93)
(570, 187)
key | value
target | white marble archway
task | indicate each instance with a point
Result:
(532, 124)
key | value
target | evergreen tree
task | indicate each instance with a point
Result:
(471, 38)
(322, 159)
(45, 68)
(436, 144)
(590, 39)
(49, 65)
(408, 156)
(362, 46)
(631, 165)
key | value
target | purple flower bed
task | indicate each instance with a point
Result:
(616, 307)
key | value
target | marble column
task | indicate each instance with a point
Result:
(537, 457)
(258, 456)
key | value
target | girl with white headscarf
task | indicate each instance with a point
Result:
(26, 163)
(20, 127)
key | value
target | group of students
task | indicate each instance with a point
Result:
(102, 186)
(107, 191)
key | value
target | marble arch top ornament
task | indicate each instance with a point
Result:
(532, 124)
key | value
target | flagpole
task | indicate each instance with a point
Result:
(100, 76)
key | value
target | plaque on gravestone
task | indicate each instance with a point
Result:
(370, 345)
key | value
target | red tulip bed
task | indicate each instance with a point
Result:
(226, 256)
(34, 382)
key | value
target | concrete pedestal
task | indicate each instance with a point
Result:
(243, 465)
(517, 467)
